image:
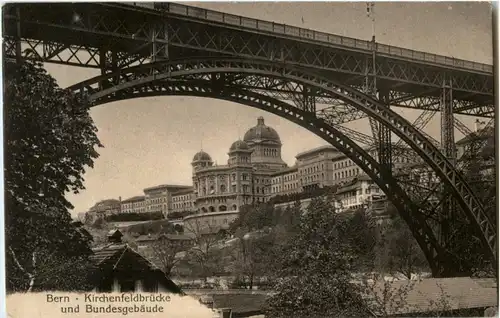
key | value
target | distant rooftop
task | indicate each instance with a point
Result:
(183, 191)
(317, 149)
(167, 187)
(134, 199)
(285, 170)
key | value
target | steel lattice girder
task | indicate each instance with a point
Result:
(206, 68)
(139, 36)
(436, 256)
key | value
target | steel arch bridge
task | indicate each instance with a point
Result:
(287, 76)
(247, 82)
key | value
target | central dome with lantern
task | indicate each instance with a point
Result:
(265, 144)
(261, 132)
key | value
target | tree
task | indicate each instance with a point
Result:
(50, 139)
(164, 251)
(402, 252)
(315, 279)
(252, 256)
(205, 257)
(359, 232)
(253, 217)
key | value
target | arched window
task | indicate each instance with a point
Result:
(234, 207)
(211, 209)
(222, 188)
(204, 210)
(222, 208)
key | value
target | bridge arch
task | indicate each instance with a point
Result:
(167, 77)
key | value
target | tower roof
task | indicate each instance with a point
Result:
(202, 156)
(239, 145)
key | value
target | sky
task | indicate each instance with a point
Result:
(151, 141)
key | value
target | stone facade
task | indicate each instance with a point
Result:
(135, 204)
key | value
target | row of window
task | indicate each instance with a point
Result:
(286, 187)
(285, 178)
(183, 205)
(343, 164)
(312, 169)
(156, 200)
(346, 174)
(313, 178)
(270, 152)
(133, 205)
(221, 208)
(214, 222)
(178, 198)
(239, 159)
(137, 210)
(245, 189)
(357, 193)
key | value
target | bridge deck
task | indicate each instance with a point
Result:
(318, 37)
(88, 33)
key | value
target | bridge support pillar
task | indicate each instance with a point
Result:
(448, 205)
(381, 134)
(308, 100)
(159, 42)
(371, 85)
(384, 139)
(108, 62)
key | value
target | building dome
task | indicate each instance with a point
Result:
(202, 156)
(261, 132)
(239, 145)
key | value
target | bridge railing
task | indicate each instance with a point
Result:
(284, 29)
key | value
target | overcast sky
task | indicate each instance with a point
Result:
(151, 141)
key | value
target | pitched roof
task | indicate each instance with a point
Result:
(114, 232)
(457, 292)
(241, 303)
(111, 255)
(103, 253)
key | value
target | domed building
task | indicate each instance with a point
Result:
(246, 177)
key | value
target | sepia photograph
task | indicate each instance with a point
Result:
(250, 159)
